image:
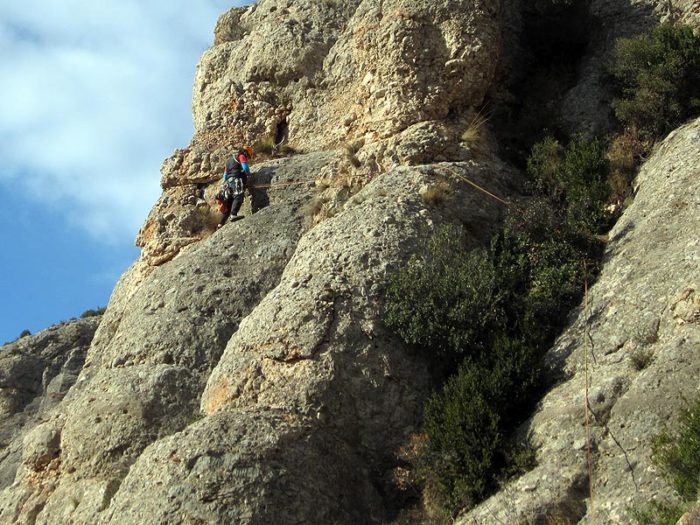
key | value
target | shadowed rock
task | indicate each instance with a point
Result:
(645, 301)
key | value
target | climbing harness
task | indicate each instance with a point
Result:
(235, 186)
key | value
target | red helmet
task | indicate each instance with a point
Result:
(248, 151)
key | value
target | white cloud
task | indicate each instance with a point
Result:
(93, 96)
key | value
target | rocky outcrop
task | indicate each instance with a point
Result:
(586, 107)
(36, 372)
(340, 71)
(231, 459)
(266, 336)
(159, 341)
(332, 392)
(264, 321)
(631, 354)
(393, 79)
(245, 375)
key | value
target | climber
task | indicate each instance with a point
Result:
(230, 198)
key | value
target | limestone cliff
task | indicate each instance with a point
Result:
(245, 375)
(36, 372)
(585, 106)
(646, 301)
(393, 79)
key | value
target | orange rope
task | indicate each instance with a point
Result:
(462, 177)
(468, 181)
(589, 452)
(278, 184)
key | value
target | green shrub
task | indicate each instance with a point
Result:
(542, 264)
(446, 301)
(93, 313)
(659, 513)
(498, 310)
(657, 76)
(556, 282)
(468, 423)
(677, 453)
(464, 431)
(544, 162)
(576, 175)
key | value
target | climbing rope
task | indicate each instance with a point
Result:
(589, 452)
(474, 184)
(274, 184)
(458, 175)
(278, 184)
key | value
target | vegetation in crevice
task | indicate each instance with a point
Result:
(656, 77)
(676, 453)
(485, 317)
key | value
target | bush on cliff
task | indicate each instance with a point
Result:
(493, 313)
(677, 455)
(446, 301)
(656, 76)
(469, 421)
(575, 175)
(498, 319)
(497, 311)
(542, 266)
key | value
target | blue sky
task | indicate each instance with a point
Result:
(94, 95)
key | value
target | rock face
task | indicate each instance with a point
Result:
(253, 372)
(335, 71)
(36, 372)
(245, 375)
(585, 107)
(393, 78)
(636, 343)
